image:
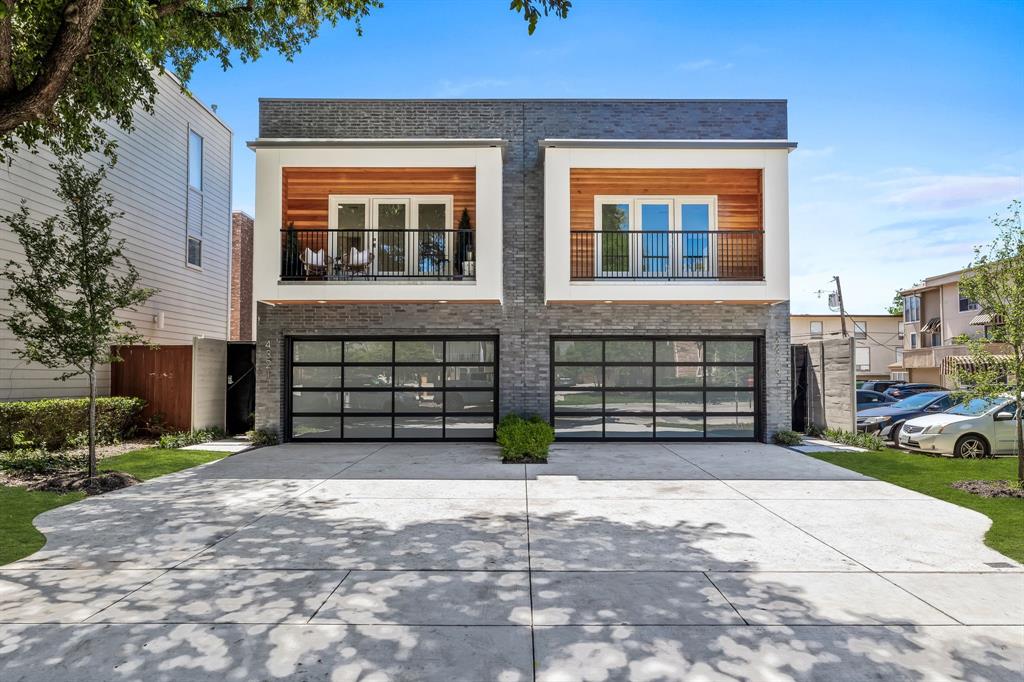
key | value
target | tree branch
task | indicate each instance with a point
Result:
(70, 43)
(6, 49)
(164, 9)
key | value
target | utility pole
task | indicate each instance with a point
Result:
(842, 309)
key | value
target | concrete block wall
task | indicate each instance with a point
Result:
(523, 321)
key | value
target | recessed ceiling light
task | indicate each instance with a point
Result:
(443, 301)
(609, 301)
(321, 301)
(719, 301)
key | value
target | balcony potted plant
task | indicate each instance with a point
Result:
(467, 264)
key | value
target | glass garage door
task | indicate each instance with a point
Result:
(392, 388)
(655, 388)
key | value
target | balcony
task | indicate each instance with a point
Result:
(722, 255)
(373, 255)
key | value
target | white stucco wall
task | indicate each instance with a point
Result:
(267, 236)
(557, 285)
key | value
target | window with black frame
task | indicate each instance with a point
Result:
(393, 388)
(645, 388)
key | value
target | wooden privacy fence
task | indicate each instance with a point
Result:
(160, 376)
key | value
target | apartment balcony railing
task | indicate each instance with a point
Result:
(317, 255)
(736, 255)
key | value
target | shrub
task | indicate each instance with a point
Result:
(524, 440)
(787, 438)
(39, 461)
(64, 422)
(262, 437)
(184, 438)
(868, 441)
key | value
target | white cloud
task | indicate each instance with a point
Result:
(447, 88)
(705, 65)
(952, 191)
(810, 153)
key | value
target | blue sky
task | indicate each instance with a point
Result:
(910, 116)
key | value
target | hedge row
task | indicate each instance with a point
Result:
(64, 422)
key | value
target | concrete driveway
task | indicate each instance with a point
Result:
(435, 562)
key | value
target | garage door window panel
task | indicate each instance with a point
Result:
(655, 388)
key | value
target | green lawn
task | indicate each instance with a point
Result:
(932, 476)
(19, 538)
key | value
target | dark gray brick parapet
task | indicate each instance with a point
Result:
(639, 119)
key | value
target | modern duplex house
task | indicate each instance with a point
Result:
(620, 268)
(935, 314)
(878, 338)
(172, 180)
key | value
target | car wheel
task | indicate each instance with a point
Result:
(894, 433)
(971, 447)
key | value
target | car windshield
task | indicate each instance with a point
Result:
(916, 401)
(975, 406)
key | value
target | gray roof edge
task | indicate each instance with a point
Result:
(668, 144)
(587, 100)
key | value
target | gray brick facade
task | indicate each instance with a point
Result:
(523, 321)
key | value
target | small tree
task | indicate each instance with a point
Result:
(65, 294)
(995, 281)
(896, 307)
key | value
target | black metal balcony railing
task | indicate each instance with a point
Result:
(736, 255)
(377, 254)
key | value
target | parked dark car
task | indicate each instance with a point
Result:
(887, 420)
(881, 386)
(906, 390)
(867, 399)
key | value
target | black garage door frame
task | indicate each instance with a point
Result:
(290, 364)
(758, 388)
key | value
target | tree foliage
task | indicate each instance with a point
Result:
(896, 306)
(67, 291)
(995, 280)
(65, 65)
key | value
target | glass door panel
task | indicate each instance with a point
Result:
(391, 222)
(354, 246)
(432, 244)
(612, 250)
(654, 257)
(695, 222)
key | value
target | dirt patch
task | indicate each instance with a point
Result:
(104, 451)
(990, 488)
(103, 482)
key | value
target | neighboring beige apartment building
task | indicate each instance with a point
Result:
(934, 315)
(878, 337)
(173, 183)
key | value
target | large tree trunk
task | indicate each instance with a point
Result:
(92, 423)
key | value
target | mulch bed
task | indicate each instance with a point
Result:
(103, 482)
(990, 488)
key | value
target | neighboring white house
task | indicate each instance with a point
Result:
(173, 183)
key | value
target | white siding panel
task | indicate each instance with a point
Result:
(150, 186)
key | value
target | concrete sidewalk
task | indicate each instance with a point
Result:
(436, 562)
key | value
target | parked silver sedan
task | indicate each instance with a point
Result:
(977, 428)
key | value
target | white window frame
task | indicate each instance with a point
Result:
(901, 330)
(913, 340)
(972, 306)
(189, 188)
(821, 329)
(860, 329)
(412, 219)
(912, 313)
(676, 249)
(862, 366)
